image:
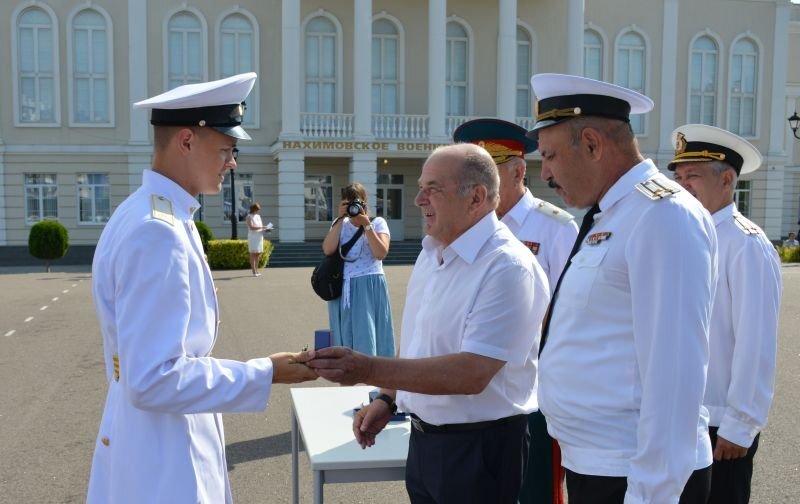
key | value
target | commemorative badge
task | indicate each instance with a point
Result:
(598, 237)
(532, 246)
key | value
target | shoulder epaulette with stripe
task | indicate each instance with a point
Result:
(658, 188)
(745, 224)
(162, 209)
(554, 212)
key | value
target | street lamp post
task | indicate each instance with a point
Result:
(234, 209)
(794, 122)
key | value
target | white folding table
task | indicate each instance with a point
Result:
(323, 416)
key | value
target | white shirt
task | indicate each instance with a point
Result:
(622, 375)
(545, 230)
(360, 260)
(486, 298)
(157, 308)
(744, 329)
(255, 219)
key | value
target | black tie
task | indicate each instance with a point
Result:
(586, 225)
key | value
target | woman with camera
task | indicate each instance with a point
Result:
(362, 317)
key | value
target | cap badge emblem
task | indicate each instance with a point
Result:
(680, 143)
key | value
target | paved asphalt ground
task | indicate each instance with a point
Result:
(53, 387)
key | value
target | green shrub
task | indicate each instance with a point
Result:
(205, 234)
(233, 254)
(789, 254)
(48, 240)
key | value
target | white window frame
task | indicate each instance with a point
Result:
(203, 37)
(638, 31)
(38, 187)
(339, 58)
(323, 185)
(521, 25)
(109, 28)
(720, 80)
(470, 63)
(401, 58)
(759, 83)
(743, 189)
(603, 49)
(254, 99)
(15, 67)
(92, 187)
(242, 180)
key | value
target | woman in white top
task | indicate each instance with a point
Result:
(255, 237)
(362, 317)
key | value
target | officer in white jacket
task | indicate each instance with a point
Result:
(744, 321)
(161, 437)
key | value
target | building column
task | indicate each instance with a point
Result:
(507, 60)
(362, 70)
(3, 226)
(139, 155)
(575, 24)
(291, 196)
(437, 59)
(290, 70)
(666, 110)
(776, 156)
(364, 170)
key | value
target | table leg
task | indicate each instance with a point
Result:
(319, 480)
(295, 450)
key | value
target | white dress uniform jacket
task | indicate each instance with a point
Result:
(481, 294)
(622, 376)
(546, 230)
(161, 437)
(744, 329)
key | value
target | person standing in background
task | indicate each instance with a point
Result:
(361, 318)
(549, 233)
(255, 237)
(744, 322)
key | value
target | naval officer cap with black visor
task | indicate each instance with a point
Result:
(563, 97)
(698, 143)
(217, 104)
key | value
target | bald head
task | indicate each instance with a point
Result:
(474, 167)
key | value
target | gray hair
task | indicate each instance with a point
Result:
(718, 167)
(477, 168)
(615, 130)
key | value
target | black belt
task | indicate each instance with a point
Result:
(423, 426)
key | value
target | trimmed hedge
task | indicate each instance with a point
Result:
(48, 240)
(789, 254)
(233, 254)
(205, 234)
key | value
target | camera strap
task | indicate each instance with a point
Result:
(345, 249)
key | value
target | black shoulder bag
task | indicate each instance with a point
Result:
(328, 277)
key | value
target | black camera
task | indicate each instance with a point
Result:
(355, 207)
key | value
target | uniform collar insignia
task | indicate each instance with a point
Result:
(596, 238)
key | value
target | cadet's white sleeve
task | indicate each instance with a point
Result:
(672, 274)
(561, 246)
(152, 316)
(754, 276)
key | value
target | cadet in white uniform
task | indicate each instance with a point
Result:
(161, 436)
(625, 347)
(549, 233)
(744, 322)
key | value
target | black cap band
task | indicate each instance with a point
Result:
(559, 108)
(219, 115)
(704, 152)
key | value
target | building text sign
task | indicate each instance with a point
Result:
(349, 146)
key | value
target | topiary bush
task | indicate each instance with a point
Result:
(789, 254)
(205, 234)
(48, 240)
(233, 254)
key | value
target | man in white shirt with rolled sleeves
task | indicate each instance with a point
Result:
(469, 340)
(625, 345)
(744, 323)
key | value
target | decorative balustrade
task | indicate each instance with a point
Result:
(452, 122)
(320, 125)
(400, 126)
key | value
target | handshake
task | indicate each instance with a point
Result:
(336, 364)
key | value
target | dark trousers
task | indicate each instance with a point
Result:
(472, 467)
(730, 479)
(544, 479)
(586, 489)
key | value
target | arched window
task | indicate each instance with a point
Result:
(90, 69)
(631, 70)
(524, 72)
(37, 68)
(703, 68)
(457, 71)
(592, 54)
(742, 90)
(321, 39)
(237, 54)
(186, 50)
(385, 67)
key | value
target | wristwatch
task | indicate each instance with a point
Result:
(388, 400)
(367, 227)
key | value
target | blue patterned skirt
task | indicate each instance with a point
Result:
(365, 325)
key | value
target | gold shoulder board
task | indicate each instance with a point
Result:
(745, 225)
(162, 209)
(554, 212)
(658, 189)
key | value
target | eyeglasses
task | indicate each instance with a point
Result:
(235, 153)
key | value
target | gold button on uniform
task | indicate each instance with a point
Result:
(105, 441)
